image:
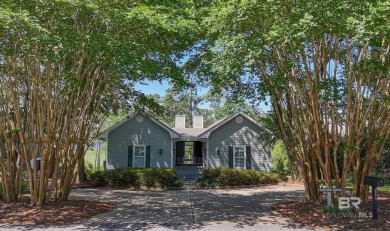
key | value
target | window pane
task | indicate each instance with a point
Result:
(239, 163)
(239, 157)
(239, 152)
(139, 151)
(139, 162)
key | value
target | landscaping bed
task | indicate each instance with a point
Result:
(53, 213)
(136, 178)
(312, 214)
(227, 177)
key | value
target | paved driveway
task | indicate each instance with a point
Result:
(233, 209)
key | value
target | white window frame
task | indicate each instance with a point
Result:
(234, 155)
(138, 146)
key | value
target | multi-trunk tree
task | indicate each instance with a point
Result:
(325, 66)
(64, 65)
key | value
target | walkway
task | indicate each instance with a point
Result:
(233, 209)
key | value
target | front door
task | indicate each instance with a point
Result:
(198, 152)
(180, 151)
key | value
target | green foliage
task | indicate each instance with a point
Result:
(322, 64)
(180, 102)
(136, 177)
(177, 183)
(336, 212)
(235, 177)
(97, 178)
(157, 177)
(280, 161)
(383, 165)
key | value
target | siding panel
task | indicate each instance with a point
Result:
(133, 133)
(233, 133)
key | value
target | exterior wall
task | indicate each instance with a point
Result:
(233, 133)
(133, 133)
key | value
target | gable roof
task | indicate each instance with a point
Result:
(194, 132)
(223, 121)
(172, 132)
(183, 133)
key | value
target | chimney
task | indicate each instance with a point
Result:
(180, 121)
(198, 121)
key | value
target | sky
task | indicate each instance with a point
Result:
(155, 87)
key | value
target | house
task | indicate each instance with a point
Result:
(144, 141)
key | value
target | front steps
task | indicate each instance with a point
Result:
(189, 174)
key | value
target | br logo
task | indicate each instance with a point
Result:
(346, 202)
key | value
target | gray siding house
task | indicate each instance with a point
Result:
(143, 141)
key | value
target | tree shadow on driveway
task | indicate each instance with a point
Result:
(192, 209)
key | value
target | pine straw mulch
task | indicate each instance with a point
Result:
(311, 214)
(53, 213)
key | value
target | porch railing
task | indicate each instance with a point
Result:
(184, 161)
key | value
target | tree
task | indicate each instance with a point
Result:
(64, 65)
(179, 102)
(280, 160)
(325, 67)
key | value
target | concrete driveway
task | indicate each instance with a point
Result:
(216, 209)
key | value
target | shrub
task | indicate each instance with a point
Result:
(280, 161)
(211, 173)
(235, 177)
(98, 178)
(177, 183)
(150, 177)
(123, 177)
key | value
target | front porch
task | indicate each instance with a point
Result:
(189, 153)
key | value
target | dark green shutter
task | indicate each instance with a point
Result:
(231, 156)
(248, 157)
(147, 161)
(130, 156)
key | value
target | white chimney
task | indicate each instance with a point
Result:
(198, 121)
(180, 121)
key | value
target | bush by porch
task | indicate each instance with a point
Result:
(212, 177)
(135, 177)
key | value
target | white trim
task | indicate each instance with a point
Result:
(234, 155)
(106, 167)
(144, 146)
(207, 133)
(208, 154)
(171, 153)
(172, 133)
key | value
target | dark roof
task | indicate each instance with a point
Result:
(182, 132)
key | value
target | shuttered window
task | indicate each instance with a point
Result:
(239, 157)
(139, 156)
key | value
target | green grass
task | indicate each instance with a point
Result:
(385, 189)
(349, 184)
(91, 155)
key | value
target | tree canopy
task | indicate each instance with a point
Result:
(325, 66)
(64, 65)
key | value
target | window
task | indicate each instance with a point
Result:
(140, 119)
(239, 157)
(139, 156)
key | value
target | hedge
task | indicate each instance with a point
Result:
(235, 177)
(135, 177)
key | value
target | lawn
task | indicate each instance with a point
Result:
(90, 157)
(385, 189)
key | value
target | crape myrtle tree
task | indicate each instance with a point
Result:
(324, 65)
(64, 65)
